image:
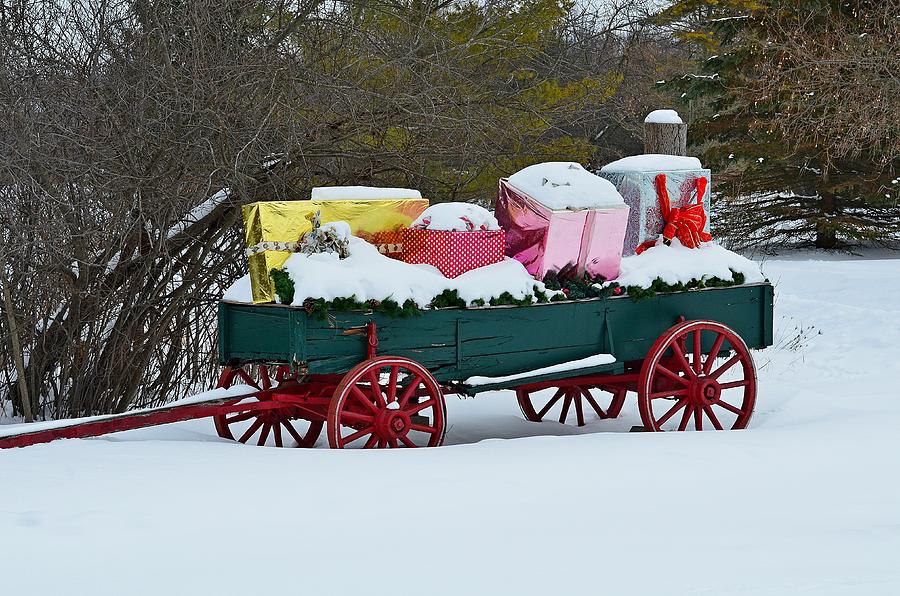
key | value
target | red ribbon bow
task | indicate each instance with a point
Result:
(685, 223)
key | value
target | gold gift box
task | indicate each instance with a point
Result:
(377, 221)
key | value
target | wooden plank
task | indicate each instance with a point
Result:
(298, 336)
(613, 368)
(132, 420)
(257, 333)
(224, 343)
(767, 306)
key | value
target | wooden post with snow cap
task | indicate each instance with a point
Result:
(665, 133)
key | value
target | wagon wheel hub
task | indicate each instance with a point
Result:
(392, 424)
(705, 390)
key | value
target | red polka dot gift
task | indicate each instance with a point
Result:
(455, 238)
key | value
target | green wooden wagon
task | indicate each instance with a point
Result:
(378, 381)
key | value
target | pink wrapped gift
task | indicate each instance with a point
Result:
(546, 239)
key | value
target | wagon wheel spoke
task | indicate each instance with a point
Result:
(276, 428)
(683, 363)
(681, 344)
(697, 355)
(264, 434)
(565, 409)
(375, 388)
(617, 402)
(423, 429)
(590, 399)
(361, 397)
(579, 411)
(698, 418)
(392, 384)
(407, 441)
(668, 373)
(292, 431)
(419, 407)
(712, 417)
(713, 353)
(734, 384)
(724, 404)
(251, 430)
(352, 416)
(264, 377)
(357, 435)
(669, 393)
(392, 442)
(373, 440)
(731, 362)
(553, 400)
(248, 380)
(688, 410)
(672, 411)
(410, 390)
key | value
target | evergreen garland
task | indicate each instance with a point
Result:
(637, 293)
(284, 285)
(578, 287)
(572, 287)
(319, 308)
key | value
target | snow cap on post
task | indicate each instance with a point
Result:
(665, 133)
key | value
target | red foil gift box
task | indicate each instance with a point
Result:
(453, 252)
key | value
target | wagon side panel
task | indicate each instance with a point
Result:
(337, 343)
(456, 344)
(634, 326)
(255, 334)
(499, 342)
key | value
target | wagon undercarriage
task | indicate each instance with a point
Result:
(392, 401)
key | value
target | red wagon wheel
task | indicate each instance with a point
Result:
(281, 427)
(571, 401)
(387, 401)
(684, 383)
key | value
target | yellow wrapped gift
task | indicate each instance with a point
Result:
(273, 228)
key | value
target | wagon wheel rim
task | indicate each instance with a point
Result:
(387, 402)
(699, 375)
(571, 403)
(279, 427)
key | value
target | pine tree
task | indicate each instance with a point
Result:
(794, 106)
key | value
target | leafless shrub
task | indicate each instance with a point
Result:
(131, 129)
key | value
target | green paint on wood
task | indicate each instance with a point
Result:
(458, 343)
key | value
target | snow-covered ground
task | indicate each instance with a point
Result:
(805, 502)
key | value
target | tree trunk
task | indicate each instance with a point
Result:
(15, 347)
(665, 138)
(826, 235)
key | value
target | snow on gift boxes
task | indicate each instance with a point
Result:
(556, 214)
(455, 238)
